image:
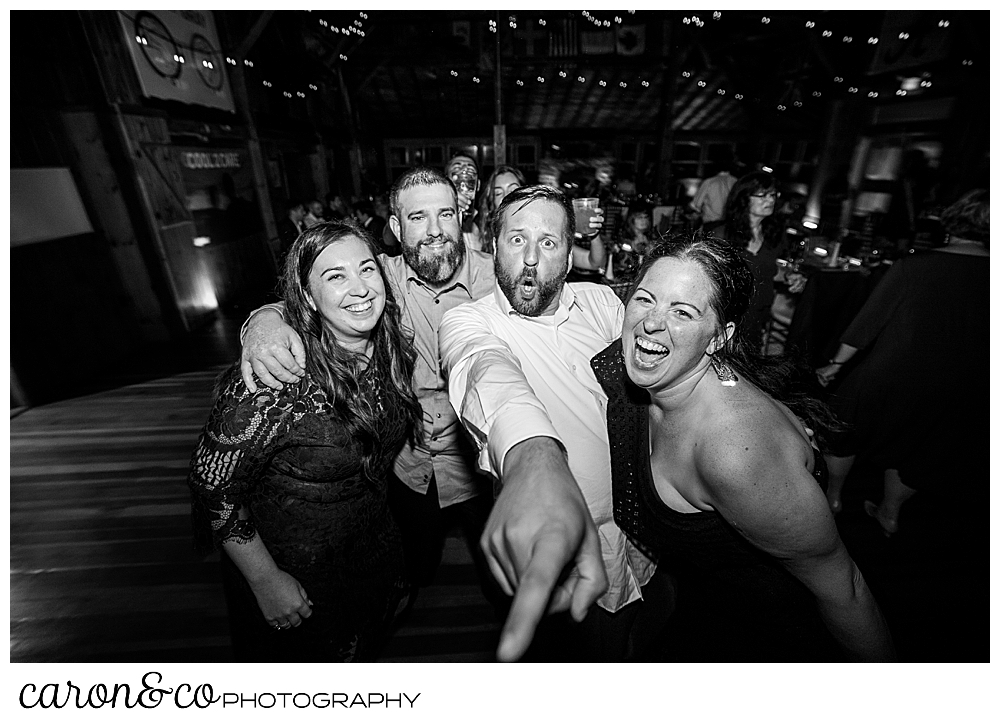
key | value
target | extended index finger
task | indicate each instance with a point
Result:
(548, 559)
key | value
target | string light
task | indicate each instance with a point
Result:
(602, 83)
(702, 83)
(810, 24)
(454, 73)
(716, 15)
(738, 96)
(873, 94)
(852, 89)
(900, 92)
(520, 82)
(848, 39)
(475, 79)
(943, 23)
(720, 91)
(873, 41)
(904, 36)
(562, 73)
(645, 84)
(623, 84)
(540, 79)
(766, 20)
(581, 79)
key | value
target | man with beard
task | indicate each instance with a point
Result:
(435, 484)
(518, 363)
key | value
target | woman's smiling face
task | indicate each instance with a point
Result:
(669, 325)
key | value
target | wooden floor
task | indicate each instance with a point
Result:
(102, 565)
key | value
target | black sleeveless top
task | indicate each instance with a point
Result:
(735, 602)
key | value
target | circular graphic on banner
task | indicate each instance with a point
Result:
(207, 62)
(158, 45)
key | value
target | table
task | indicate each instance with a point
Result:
(827, 306)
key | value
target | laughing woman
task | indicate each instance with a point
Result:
(291, 484)
(717, 479)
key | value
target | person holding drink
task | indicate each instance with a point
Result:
(589, 251)
(463, 172)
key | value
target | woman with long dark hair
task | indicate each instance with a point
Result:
(291, 484)
(715, 475)
(751, 226)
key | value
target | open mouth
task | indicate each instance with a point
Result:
(360, 308)
(648, 353)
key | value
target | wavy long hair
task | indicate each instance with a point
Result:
(786, 378)
(337, 369)
(738, 210)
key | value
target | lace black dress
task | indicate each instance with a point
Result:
(290, 460)
(734, 602)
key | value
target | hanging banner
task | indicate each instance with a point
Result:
(177, 56)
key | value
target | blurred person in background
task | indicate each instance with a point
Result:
(463, 171)
(751, 226)
(915, 414)
(709, 201)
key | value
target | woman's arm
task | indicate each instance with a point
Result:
(826, 373)
(281, 598)
(759, 483)
(232, 450)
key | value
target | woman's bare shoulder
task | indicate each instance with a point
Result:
(749, 437)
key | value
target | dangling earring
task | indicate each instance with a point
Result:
(727, 377)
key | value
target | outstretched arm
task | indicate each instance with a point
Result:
(271, 349)
(785, 514)
(540, 523)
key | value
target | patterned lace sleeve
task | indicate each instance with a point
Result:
(233, 449)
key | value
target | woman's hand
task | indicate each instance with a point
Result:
(796, 282)
(826, 374)
(282, 599)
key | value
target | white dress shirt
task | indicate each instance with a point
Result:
(513, 377)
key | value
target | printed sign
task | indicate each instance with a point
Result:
(177, 57)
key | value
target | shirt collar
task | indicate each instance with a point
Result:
(567, 298)
(463, 278)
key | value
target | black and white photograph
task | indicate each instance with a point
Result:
(456, 336)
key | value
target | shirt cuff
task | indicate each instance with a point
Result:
(267, 307)
(513, 427)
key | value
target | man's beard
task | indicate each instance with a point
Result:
(545, 290)
(437, 268)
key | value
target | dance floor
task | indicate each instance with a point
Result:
(103, 570)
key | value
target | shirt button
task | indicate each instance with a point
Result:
(439, 415)
(437, 301)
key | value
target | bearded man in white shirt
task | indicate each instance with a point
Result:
(518, 362)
